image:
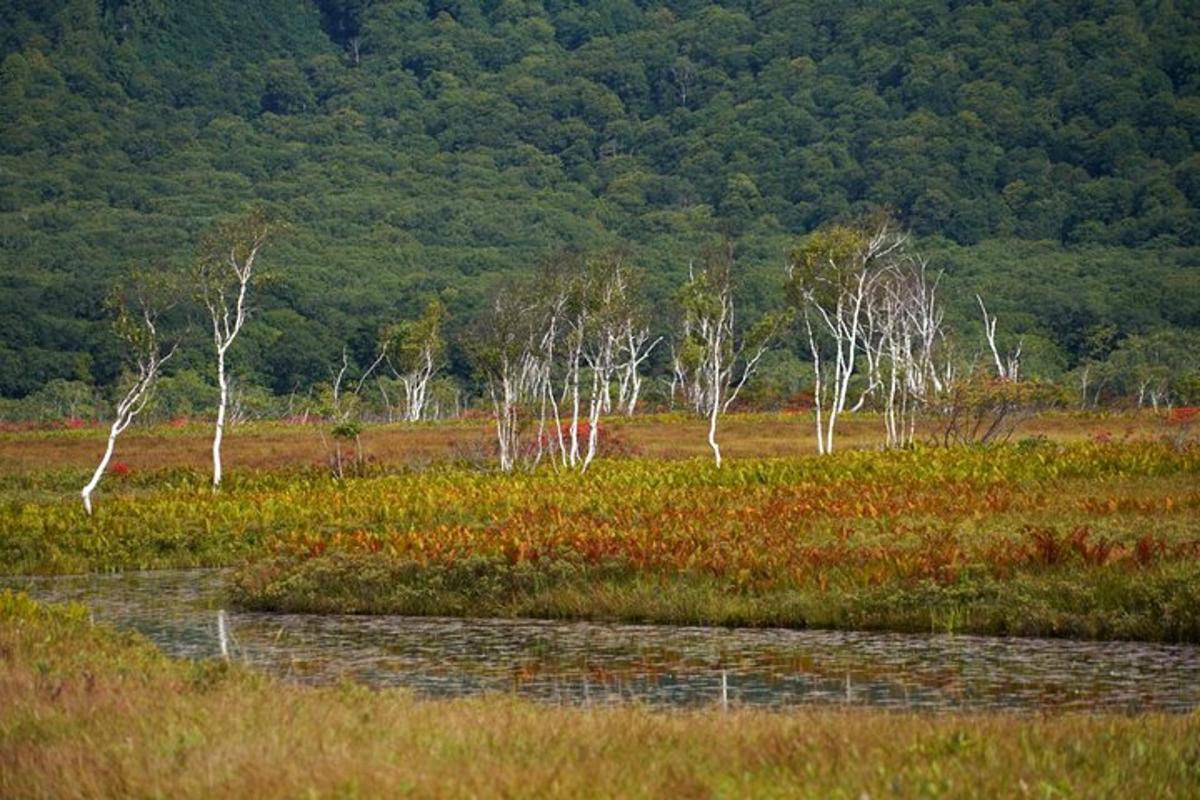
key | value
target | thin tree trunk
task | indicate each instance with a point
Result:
(715, 410)
(219, 433)
(86, 494)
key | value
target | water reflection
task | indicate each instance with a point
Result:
(604, 663)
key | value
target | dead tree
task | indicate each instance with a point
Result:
(1008, 367)
(636, 347)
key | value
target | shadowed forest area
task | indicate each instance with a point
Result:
(1042, 156)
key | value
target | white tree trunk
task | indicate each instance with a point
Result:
(219, 432)
(149, 362)
(86, 494)
(713, 413)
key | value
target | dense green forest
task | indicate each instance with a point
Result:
(1044, 154)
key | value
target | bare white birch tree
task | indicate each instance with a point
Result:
(344, 406)
(913, 363)
(712, 360)
(225, 273)
(138, 307)
(636, 347)
(1008, 367)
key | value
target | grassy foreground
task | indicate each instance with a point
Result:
(88, 712)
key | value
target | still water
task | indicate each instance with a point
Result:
(584, 663)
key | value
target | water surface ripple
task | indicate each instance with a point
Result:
(583, 662)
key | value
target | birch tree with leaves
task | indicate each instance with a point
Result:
(592, 311)
(833, 278)
(138, 306)
(225, 274)
(586, 338)
(550, 352)
(414, 350)
(503, 348)
(606, 293)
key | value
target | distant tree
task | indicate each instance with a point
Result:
(287, 91)
(138, 304)
(225, 274)
(713, 359)
(414, 351)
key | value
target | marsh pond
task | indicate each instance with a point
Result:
(587, 662)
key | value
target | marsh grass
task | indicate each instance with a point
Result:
(87, 712)
(1096, 539)
(274, 445)
(1159, 604)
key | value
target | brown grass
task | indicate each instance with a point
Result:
(87, 713)
(271, 445)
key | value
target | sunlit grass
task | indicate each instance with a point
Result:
(1087, 539)
(270, 445)
(85, 712)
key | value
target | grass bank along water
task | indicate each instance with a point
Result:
(588, 663)
(91, 712)
(1091, 539)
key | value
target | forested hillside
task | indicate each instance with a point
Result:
(1043, 153)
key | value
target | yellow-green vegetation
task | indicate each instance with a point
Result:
(1095, 540)
(88, 712)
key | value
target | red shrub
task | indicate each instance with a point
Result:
(1184, 414)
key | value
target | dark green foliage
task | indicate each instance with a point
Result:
(420, 146)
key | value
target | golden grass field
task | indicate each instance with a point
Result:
(271, 445)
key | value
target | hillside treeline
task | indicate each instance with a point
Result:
(1043, 154)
